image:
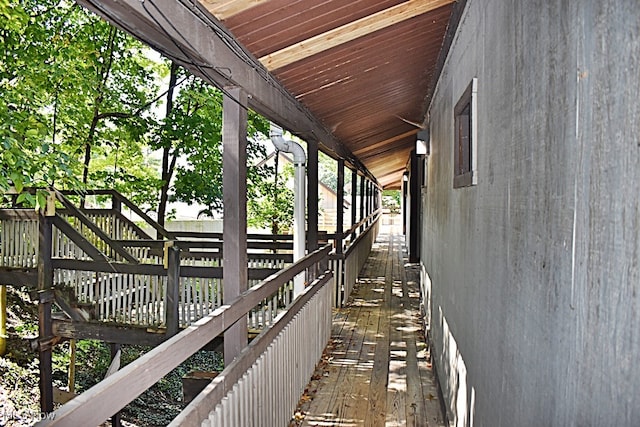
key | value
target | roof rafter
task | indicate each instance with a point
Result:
(223, 9)
(350, 31)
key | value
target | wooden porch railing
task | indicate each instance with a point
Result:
(303, 323)
(352, 250)
(94, 251)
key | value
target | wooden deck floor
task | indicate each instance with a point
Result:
(376, 370)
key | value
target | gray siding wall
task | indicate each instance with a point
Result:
(534, 272)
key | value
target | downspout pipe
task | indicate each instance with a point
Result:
(299, 203)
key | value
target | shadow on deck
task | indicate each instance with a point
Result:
(376, 369)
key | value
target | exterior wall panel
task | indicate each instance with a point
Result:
(534, 272)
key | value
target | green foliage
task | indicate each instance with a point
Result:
(391, 200)
(69, 81)
(27, 157)
(77, 95)
(195, 128)
(271, 206)
(328, 171)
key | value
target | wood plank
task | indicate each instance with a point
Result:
(376, 411)
(109, 267)
(341, 397)
(18, 213)
(130, 335)
(351, 31)
(384, 143)
(330, 399)
(223, 9)
(415, 400)
(19, 277)
(397, 390)
(109, 396)
(394, 384)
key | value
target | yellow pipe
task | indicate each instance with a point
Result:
(72, 366)
(3, 320)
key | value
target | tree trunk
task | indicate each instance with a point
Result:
(168, 165)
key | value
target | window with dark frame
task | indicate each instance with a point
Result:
(464, 171)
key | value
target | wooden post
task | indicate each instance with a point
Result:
(367, 195)
(340, 208)
(405, 200)
(3, 320)
(414, 213)
(312, 195)
(362, 183)
(115, 418)
(312, 204)
(71, 377)
(173, 286)
(354, 202)
(234, 187)
(116, 203)
(45, 300)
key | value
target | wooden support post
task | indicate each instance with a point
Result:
(373, 198)
(116, 203)
(312, 195)
(312, 204)
(354, 202)
(405, 200)
(173, 286)
(367, 195)
(234, 186)
(71, 377)
(414, 213)
(115, 418)
(362, 182)
(340, 208)
(45, 300)
(3, 320)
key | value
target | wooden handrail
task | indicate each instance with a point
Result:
(129, 204)
(78, 239)
(93, 227)
(19, 213)
(110, 212)
(109, 396)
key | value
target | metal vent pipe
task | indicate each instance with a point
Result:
(299, 203)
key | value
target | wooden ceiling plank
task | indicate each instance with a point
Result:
(350, 31)
(379, 144)
(223, 9)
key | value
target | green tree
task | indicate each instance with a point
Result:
(272, 203)
(72, 83)
(29, 155)
(196, 124)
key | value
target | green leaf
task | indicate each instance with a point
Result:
(17, 181)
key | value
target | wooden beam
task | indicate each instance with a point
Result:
(223, 9)
(351, 31)
(130, 335)
(19, 276)
(312, 195)
(234, 223)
